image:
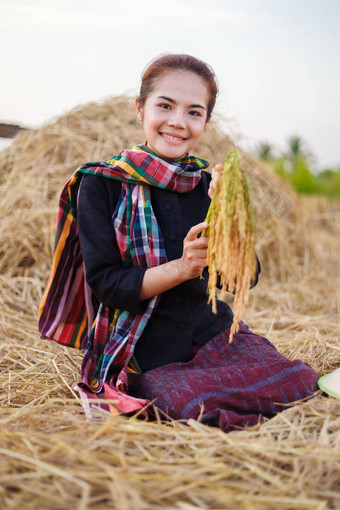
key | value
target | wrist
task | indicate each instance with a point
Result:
(185, 270)
(177, 270)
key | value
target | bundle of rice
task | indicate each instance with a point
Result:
(231, 254)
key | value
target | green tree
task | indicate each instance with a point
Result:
(297, 149)
(280, 166)
(329, 182)
(295, 165)
(301, 178)
(265, 151)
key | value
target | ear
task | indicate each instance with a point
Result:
(139, 110)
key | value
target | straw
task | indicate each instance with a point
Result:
(52, 458)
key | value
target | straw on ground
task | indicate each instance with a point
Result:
(52, 458)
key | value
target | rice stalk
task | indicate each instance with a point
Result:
(231, 256)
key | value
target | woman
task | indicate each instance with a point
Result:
(127, 282)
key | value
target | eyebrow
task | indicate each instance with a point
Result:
(173, 101)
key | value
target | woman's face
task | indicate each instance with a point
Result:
(174, 114)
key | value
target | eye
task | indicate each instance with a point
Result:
(195, 113)
(165, 106)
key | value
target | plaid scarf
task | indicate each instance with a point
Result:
(68, 313)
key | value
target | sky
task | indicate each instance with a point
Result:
(277, 61)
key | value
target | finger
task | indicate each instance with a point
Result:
(196, 253)
(200, 244)
(196, 230)
(217, 169)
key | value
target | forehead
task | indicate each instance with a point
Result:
(181, 86)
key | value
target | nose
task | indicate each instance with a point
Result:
(177, 119)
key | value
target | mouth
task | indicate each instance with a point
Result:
(173, 138)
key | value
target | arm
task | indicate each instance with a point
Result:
(114, 285)
(166, 276)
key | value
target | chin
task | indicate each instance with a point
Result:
(169, 152)
(173, 153)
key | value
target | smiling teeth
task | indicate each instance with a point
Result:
(172, 137)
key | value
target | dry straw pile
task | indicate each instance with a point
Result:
(52, 458)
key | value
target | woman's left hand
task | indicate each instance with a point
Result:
(215, 177)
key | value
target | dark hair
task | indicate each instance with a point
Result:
(182, 62)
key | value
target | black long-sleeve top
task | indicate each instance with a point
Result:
(182, 315)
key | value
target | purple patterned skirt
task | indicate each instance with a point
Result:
(228, 385)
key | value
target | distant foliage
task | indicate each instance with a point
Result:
(296, 166)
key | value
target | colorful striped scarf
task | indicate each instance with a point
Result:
(68, 312)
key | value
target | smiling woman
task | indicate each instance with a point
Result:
(174, 114)
(129, 279)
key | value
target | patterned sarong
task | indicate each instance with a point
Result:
(229, 385)
(68, 313)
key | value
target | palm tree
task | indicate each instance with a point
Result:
(265, 151)
(301, 176)
(297, 150)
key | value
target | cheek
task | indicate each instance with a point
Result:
(198, 129)
(152, 120)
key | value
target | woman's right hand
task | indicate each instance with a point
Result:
(194, 257)
(161, 278)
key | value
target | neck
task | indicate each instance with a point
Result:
(146, 148)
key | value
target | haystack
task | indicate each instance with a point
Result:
(51, 457)
(36, 165)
